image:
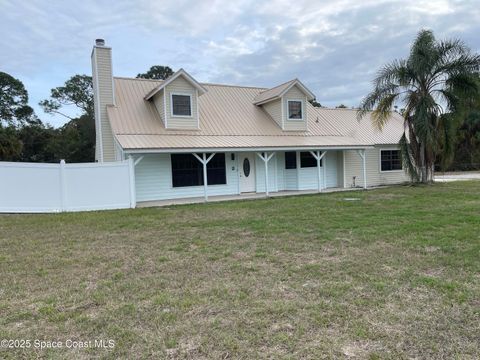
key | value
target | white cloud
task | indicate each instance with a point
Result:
(335, 47)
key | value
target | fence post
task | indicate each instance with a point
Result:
(63, 187)
(131, 172)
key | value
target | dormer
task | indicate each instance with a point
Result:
(176, 100)
(287, 104)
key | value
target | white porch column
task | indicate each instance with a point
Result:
(318, 155)
(363, 155)
(204, 160)
(266, 158)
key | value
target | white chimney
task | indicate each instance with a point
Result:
(103, 95)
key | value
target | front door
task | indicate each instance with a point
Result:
(247, 172)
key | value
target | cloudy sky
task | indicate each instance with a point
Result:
(334, 47)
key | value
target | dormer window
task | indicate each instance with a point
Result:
(295, 108)
(181, 105)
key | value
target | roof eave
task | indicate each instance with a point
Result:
(181, 72)
(246, 149)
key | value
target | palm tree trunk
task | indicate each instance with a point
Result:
(423, 167)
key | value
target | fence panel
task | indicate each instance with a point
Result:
(33, 187)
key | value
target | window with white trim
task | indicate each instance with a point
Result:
(295, 109)
(181, 105)
(390, 160)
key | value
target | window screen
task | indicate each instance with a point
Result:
(290, 160)
(294, 109)
(181, 105)
(391, 160)
(188, 171)
(307, 160)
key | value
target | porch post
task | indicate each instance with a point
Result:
(364, 169)
(318, 155)
(266, 158)
(204, 160)
(363, 155)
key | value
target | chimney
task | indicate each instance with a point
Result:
(103, 95)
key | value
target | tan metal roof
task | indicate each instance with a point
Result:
(229, 119)
(280, 90)
(178, 73)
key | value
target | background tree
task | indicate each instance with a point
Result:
(14, 113)
(341, 106)
(315, 103)
(465, 129)
(14, 109)
(157, 72)
(77, 91)
(74, 141)
(434, 80)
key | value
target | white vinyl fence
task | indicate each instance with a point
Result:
(33, 187)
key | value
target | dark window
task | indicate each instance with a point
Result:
(307, 160)
(181, 105)
(246, 167)
(294, 109)
(290, 160)
(188, 171)
(216, 170)
(391, 160)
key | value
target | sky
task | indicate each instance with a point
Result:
(334, 47)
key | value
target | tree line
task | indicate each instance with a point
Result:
(25, 137)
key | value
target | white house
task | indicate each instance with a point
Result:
(191, 139)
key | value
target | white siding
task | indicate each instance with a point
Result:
(103, 90)
(353, 167)
(153, 177)
(295, 125)
(291, 179)
(274, 109)
(181, 86)
(158, 102)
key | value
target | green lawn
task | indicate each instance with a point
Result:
(393, 274)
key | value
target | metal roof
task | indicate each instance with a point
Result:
(229, 119)
(278, 91)
(185, 75)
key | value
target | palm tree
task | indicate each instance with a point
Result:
(437, 77)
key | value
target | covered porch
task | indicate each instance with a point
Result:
(218, 174)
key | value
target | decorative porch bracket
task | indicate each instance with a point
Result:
(204, 160)
(138, 160)
(363, 156)
(266, 158)
(318, 155)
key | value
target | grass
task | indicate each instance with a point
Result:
(393, 275)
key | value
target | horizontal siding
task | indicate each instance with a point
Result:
(332, 169)
(153, 180)
(103, 75)
(158, 102)
(353, 167)
(180, 85)
(294, 125)
(274, 109)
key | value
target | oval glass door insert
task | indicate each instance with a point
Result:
(246, 167)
